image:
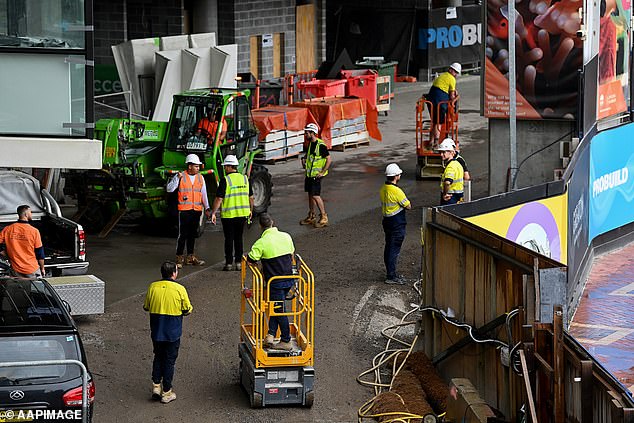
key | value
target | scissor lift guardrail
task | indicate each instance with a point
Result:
(255, 311)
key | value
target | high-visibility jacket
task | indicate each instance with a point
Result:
(455, 172)
(190, 195)
(236, 200)
(167, 301)
(393, 200)
(275, 249)
(210, 127)
(314, 162)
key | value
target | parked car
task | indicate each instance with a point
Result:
(64, 240)
(35, 325)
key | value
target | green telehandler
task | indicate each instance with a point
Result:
(140, 156)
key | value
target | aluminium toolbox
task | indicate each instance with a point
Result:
(85, 294)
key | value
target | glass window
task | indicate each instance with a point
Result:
(41, 92)
(39, 23)
(38, 348)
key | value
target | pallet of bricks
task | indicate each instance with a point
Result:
(345, 122)
(281, 132)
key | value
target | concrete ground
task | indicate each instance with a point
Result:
(352, 302)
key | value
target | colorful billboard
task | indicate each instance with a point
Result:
(548, 57)
(611, 191)
(614, 48)
(539, 225)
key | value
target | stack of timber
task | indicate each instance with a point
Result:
(280, 145)
(281, 132)
(349, 133)
(344, 122)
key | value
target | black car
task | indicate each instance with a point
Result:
(35, 325)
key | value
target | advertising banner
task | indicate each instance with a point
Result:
(548, 58)
(578, 212)
(614, 51)
(454, 34)
(611, 189)
(539, 225)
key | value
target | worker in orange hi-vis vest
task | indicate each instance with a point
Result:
(192, 200)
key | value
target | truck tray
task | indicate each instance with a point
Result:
(85, 294)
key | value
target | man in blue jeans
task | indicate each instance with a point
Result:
(167, 301)
(393, 206)
(275, 250)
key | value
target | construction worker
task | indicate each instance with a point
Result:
(393, 206)
(208, 125)
(461, 160)
(236, 197)
(442, 89)
(316, 162)
(167, 301)
(192, 199)
(23, 245)
(275, 250)
(452, 180)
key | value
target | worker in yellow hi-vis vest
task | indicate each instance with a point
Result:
(452, 180)
(394, 202)
(236, 197)
(316, 162)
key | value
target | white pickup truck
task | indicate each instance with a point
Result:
(64, 240)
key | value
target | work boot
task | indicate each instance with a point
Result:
(269, 341)
(193, 260)
(180, 260)
(168, 396)
(286, 346)
(156, 391)
(309, 220)
(323, 221)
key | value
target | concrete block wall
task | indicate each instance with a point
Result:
(257, 17)
(121, 20)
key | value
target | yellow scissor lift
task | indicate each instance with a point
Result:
(272, 376)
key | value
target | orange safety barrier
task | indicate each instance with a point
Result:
(426, 115)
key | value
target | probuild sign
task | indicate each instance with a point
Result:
(611, 188)
(452, 35)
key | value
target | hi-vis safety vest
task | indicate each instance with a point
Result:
(455, 172)
(236, 200)
(190, 196)
(315, 163)
(393, 200)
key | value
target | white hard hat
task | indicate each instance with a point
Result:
(392, 170)
(450, 141)
(447, 145)
(312, 127)
(192, 159)
(456, 66)
(230, 160)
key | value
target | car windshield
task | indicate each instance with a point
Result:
(38, 348)
(190, 123)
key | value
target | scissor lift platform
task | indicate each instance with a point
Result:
(273, 376)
